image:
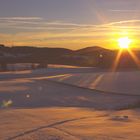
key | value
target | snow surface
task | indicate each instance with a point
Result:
(49, 104)
(111, 82)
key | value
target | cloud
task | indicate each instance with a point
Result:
(38, 23)
(16, 22)
(124, 11)
(39, 31)
(20, 18)
(128, 24)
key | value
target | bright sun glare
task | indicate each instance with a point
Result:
(124, 42)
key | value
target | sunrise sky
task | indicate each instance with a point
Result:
(71, 24)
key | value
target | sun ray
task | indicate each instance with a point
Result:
(117, 60)
(134, 57)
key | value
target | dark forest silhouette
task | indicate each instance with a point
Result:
(90, 56)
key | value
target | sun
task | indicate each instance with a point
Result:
(124, 42)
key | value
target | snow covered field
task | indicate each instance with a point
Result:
(53, 105)
(110, 82)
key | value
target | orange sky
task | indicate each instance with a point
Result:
(70, 24)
